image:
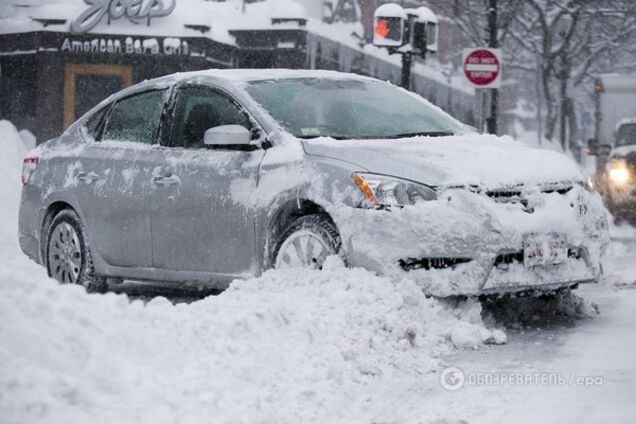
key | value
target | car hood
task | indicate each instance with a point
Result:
(484, 160)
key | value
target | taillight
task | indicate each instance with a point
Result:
(28, 166)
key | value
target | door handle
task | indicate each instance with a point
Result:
(166, 180)
(89, 178)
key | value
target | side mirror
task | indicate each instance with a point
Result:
(227, 135)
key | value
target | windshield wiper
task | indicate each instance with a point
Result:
(422, 134)
(335, 137)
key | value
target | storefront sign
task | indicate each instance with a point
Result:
(129, 45)
(135, 11)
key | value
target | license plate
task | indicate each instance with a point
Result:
(544, 249)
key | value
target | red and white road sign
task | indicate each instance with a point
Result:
(482, 67)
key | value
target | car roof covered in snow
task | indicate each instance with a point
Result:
(229, 78)
(247, 75)
(618, 82)
(233, 78)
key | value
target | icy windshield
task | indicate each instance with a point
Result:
(626, 135)
(350, 109)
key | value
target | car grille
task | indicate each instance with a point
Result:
(509, 258)
(516, 195)
(431, 263)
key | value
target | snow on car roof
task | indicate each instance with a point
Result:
(248, 75)
(625, 121)
(231, 76)
(618, 82)
(244, 75)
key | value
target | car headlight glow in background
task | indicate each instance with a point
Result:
(618, 172)
(382, 190)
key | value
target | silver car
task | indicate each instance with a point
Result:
(206, 177)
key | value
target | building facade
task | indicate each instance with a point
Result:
(54, 66)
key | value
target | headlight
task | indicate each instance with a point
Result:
(381, 190)
(618, 172)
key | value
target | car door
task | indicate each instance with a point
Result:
(199, 222)
(116, 201)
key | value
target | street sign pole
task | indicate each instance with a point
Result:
(493, 44)
(482, 109)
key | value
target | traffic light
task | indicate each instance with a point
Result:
(423, 35)
(389, 25)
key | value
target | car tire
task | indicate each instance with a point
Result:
(67, 257)
(307, 242)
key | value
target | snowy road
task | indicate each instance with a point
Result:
(596, 352)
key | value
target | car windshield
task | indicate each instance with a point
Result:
(350, 109)
(626, 135)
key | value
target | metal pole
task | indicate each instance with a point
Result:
(564, 93)
(563, 122)
(407, 60)
(493, 43)
(482, 110)
(539, 106)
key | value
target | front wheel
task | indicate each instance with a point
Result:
(307, 242)
(68, 259)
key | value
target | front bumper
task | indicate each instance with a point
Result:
(468, 244)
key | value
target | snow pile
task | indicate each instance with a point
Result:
(295, 346)
(14, 146)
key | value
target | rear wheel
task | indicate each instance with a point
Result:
(68, 259)
(307, 242)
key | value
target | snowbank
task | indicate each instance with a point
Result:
(289, 347)
(13, 149)
(14, 146)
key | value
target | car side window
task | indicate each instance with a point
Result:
(94, 123)
(200, 108)
(136, 118)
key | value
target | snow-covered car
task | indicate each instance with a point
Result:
(218, 175)
(617, 182)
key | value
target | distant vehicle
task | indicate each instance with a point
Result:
(207, 177)
(615, 143)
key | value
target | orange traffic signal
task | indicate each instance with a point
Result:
(382, 28)
(388, 31)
